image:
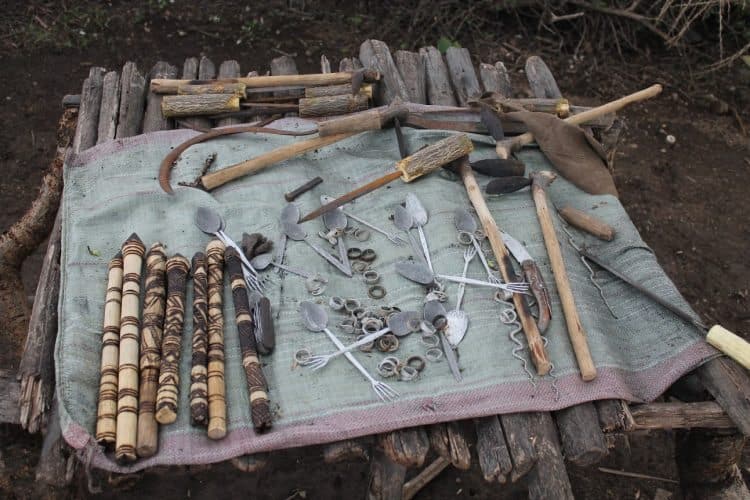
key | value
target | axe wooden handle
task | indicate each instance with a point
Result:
(573, 321)
(216, 179)
(730, 344)
(506, 147)
(372, 119)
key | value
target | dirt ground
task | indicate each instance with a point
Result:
(689, 200)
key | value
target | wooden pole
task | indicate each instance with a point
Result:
(151, 338)
(106, 420)
(167, 396)
(198, 370)
(130, 323)
(540, 180)
(177, 106)
(332, 105)
(536, 348)
(217, 407)
(256, 381)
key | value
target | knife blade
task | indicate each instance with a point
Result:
(534, 277)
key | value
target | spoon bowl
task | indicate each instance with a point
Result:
(262, 261)
(465, 222)
(399, 323)
(402, 218)
(415, 271)
(290, 213)
(208, 220)
(458, 323)
(294, 231)
(314, 317)
(416, 209)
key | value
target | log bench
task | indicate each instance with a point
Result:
(710, 407)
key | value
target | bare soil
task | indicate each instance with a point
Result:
(689, 200)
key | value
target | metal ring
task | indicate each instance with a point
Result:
(430, 340)
(465, 237)
(360, 266)
(408, 373)
(351, 304)
(359, 313)
(372, 325)
(365, 347)
(336, 303)
(479, 234)
(508, 316)
(433, 354)
(371, 277)
(387, 368)
(318, 291)
(368, 255)
(416, 362)
(350, 229)
(503, 295)
(354, 253)
(302, 356)
(361, 234)
(387, 343)
(440, 322)
(376, 292)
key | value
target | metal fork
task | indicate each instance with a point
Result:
(318, 362)
(469, 254)
(385, 392)
(516, 287)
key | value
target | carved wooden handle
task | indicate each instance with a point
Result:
(434, 156)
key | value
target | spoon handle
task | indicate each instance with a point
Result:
(278, 258)
(349, 355)
(450, 357)
(415, 249)
(292, 270)
(462, 286)
(392, 237)
(425, 248)
(481, 255)
(363, 341)
(330, 258)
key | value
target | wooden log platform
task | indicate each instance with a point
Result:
(507, 448)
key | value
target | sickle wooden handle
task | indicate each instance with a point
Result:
(730, 344)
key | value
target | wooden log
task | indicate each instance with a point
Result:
(729, 384)
(130, 329)
(450, 441)
(439, 91)
(199, 359)
(581, 435)
(284, 66)
(231, 69)
(237, 89)
(71, 101)
(179, 106)
(153, 119)
(614, 415)
(492, 451)
(707, 464)
(132, 96)
(537, 351)
(540, 78)
(548, 478)
(462, 74)
(10, 393)
(343, 89)
(88, 113)
(332, 105)
(189, 74)
(110, 107)
(256, 382)
(495, 78)
(349, 64)
(375, 54)
(206, 71)
(346, 451)
(372, 119)
(37, 368)
(412, 70)
(587, 222)
(412, 487)
(168, 394)
(407, 447)
(56, 465)
(518, 428)
(438, 435)
(217, 406)
(661, 416)
(386, 481)
(106, 415)
(154, 305)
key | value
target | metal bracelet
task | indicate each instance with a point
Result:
(433, 354)
(387, 343)
(361, 234)
(388, 367)
(371, 325)
(416, 362)
(351, 304)
(348, 326)
(302, 356)
(359, 313)
(336, 303)
(368, 255)
(371, 277)
(376, 292)
(465, 237)
(430, 340)
(360, 266)
(408, 373)
(354, 253)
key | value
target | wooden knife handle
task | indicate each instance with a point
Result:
(434, 156)
(730, 344)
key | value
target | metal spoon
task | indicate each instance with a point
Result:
(394, 238)
(336, 220)
(465, 222)
(398, 324)
(297, 233)
(403, 220)
(458, 320)
(315, 319)
(434, 310)
(419, 216)
(262, 261)
(290, 213)
(415, 271)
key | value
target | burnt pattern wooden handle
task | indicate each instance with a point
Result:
(167, 397)
(217, 407)
(198, 370)
(106, 421)
(130, 325)
(151, 337)
(256, 381)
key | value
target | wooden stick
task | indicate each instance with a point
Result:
(168, 86)
(587, 222)
(176, 106)
(536, 348)
(167, 397)
(344, 88)
(372, 119)
(106, 415)
(198, 370)
(217, 407)
(216, 179)
(151, 338)
(332, 105)
(256, 381)
(412, 487)
(540, 180)
(130, 327)
(505, 148)
(237, 89)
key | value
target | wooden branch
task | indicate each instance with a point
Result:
(132, 98)
(730, 385)
(345, 88)
(660, 416)
(346, 451)
(332, 105)
(413, 486)
(91, 99)
(518, 429)
(549, 479)
(439, 90)
(411, 68)
(587, 222)
(110, 108)
(540, 78)
(495, 78)
(580, 434)
(250, 463)
(707, 463)
(230, 69)
(237, 89)
(178, 106)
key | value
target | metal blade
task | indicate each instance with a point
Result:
(400, 139)
(516, 248)
(492, 122)
(353, 195)
(505, 185)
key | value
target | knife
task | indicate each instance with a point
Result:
(534, 277)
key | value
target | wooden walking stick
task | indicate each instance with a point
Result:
(106, 415)
(217, 406)
(198, 370)
(167, 396)
(256, 381)
(539, 182)
(151, 337)
(536, 347)
(130, 329)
